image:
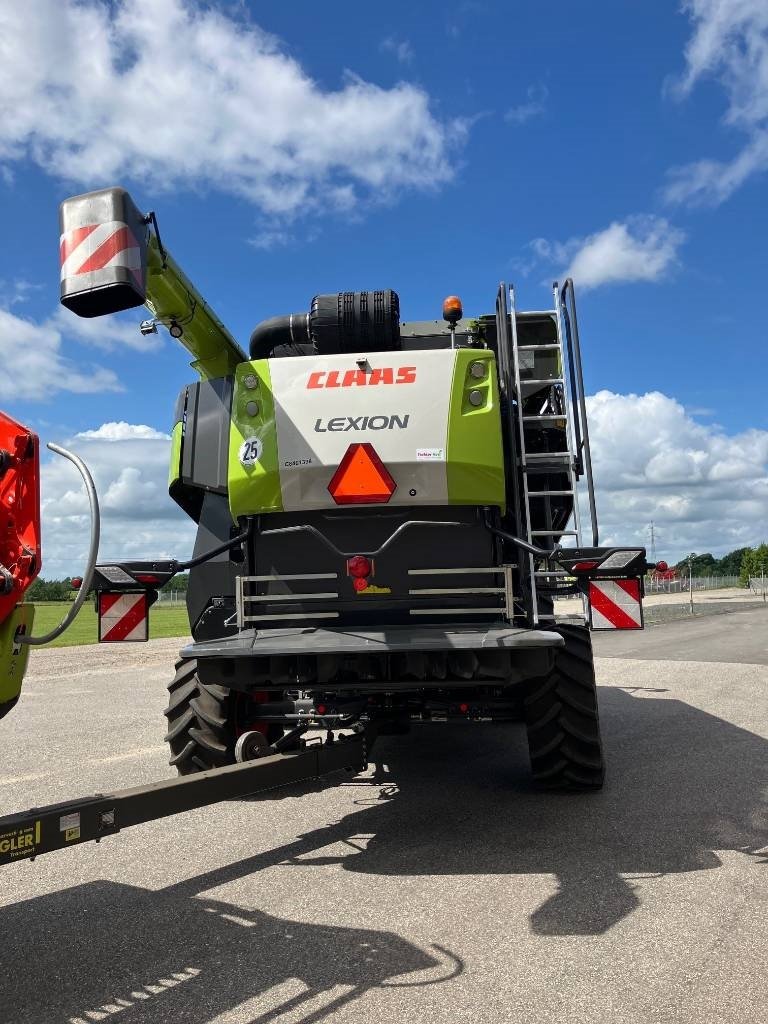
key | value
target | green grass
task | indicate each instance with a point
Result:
(164, 621)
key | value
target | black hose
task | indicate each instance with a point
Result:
(292, 329)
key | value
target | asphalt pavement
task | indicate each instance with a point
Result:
(440, 886)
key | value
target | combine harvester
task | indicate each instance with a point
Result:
(381, 508)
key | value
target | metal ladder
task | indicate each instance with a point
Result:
(572, 462)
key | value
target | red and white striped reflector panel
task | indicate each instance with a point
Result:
(615, 604)
(122, 617)
(97, 246)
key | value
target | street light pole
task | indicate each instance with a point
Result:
(690, 580)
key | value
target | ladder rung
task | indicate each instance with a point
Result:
(546, 347)
(547, 455)
(544, 572)
(554, 533)
(548, 380)
(545, 416)
(535, 312)
(543, 494)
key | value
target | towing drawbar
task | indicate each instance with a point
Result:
(59, 826)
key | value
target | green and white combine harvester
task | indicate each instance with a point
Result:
(386, 513)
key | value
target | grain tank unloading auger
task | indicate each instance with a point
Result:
(380, 511)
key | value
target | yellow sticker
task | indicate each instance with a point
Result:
(71, 834)
(20, 842)
(373, 589)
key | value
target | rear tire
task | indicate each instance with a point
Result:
(201, 732)
(561, 717)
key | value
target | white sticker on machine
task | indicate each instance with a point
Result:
(250, 451)
(427, 454)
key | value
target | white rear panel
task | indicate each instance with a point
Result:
(398, 402)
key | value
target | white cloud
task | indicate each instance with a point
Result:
(18, 292)
(704, 489)
(129, 463)
(122, 431)
(729, 43)
(535, 104)
(175, 93)
(32, 365)
(638, 249)
(401, 48)
(106, 332)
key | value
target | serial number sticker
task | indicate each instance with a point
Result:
(427, 454)
(250, 451)
(69, 821)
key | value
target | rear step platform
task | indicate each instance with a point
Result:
(329, 640)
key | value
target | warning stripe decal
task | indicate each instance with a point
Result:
(122, 617)
(97, 246)
(615, 604)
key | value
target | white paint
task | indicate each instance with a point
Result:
(306, 454)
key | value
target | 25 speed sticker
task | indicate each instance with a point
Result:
(250, 451)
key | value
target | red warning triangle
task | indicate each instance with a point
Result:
(362, 478)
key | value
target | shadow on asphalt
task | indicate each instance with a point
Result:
(682, 785)
(102, 948)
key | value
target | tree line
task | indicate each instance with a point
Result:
(61, 590)
(741, 562)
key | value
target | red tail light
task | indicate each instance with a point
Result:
(359, 566)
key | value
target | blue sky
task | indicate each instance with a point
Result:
(291, 149)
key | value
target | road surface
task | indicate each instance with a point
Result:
(441, 887)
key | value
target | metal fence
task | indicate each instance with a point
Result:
(172, 597)
(683, 586)
(758, 585)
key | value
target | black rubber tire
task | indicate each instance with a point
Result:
(561, 717)
(201, 732)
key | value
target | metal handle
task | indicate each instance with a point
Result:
(574, 348)
(93, 551)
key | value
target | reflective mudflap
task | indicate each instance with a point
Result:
(615, 604)
(122, 617)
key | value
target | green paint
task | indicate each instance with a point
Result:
(174, 471)
(14, 665)
(172, 296)
(255, 488)
(474, 452)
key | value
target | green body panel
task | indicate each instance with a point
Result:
(172, 296)
(256, 487)
(174, 470)
(13, 659)
(474, 451)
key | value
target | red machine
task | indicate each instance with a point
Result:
(20, 558)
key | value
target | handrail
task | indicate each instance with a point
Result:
(577, 378)
(506, 369)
